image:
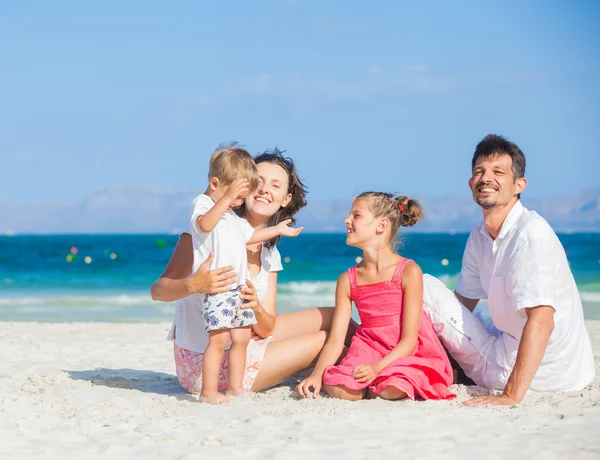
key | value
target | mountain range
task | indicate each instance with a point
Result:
(139, 209)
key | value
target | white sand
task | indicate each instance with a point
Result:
(77, 391)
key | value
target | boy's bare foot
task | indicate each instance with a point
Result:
(232, 393)
(213, 398)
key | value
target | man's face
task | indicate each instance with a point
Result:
(493, 183)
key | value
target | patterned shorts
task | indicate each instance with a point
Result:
(188, 365)
(223, 311)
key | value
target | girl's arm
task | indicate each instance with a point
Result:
(412, 285)
(175, 282)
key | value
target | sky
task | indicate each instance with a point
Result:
(386, 95)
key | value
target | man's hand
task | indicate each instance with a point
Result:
(500, 400)
(284, 229)
(238, 188)
(206, 281)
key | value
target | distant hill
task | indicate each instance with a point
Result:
(135, 209)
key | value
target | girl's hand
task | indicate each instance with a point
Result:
(365, 373)
(250, 296)
(284, 229)
(206, 281)
(303, 390)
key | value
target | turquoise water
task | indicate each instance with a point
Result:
(37, 283)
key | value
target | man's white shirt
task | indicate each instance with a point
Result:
(526, 266)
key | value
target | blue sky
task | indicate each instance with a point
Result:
(372, 95)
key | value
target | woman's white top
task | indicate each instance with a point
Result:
(188, 327)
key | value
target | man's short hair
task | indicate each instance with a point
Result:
(229, 163)
(492, 144)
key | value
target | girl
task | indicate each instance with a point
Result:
(395, 353)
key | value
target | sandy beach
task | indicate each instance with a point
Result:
(100, 390)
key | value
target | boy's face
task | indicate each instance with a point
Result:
(239, 200)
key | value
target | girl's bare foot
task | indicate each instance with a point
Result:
(213, 398)
(232, 393)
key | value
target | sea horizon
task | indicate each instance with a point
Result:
(107, 277)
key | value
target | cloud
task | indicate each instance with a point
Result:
(302, 93)
(368, 85)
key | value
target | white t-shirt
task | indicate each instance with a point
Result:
(526, 266)
(188, 326)
(227, 240)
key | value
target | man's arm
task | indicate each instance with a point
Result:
(469, 304)
(536, 334)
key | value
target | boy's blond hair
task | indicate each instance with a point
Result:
(230, 163)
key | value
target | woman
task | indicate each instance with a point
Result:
(282, 345)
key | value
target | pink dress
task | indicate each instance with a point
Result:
(426, 373)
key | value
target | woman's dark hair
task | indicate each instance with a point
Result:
(296, 188)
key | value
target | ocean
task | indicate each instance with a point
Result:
(66, 278)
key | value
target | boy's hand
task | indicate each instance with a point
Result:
(236, 189)
(284, 229)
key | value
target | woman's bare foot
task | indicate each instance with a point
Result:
(213, 398)
(233, 393)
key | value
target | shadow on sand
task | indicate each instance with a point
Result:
(134, 379)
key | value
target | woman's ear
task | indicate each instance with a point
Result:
(286, 200)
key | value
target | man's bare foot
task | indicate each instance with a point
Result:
(233, 393)
(213, 398)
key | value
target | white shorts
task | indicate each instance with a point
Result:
(223, 311)
(479, 350)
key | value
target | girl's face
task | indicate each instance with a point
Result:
(272, 193)
(361, 224)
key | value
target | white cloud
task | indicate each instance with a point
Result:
(373, 82)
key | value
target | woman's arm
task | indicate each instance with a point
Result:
(265, 312)
(412, 285)
(175, 282)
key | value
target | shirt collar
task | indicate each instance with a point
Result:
(509, 222)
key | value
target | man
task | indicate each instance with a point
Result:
(514, 259)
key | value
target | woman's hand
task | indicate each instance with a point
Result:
(303, 390)
(365, 373)
(284, 229)
(206, 281)
(250, 296)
